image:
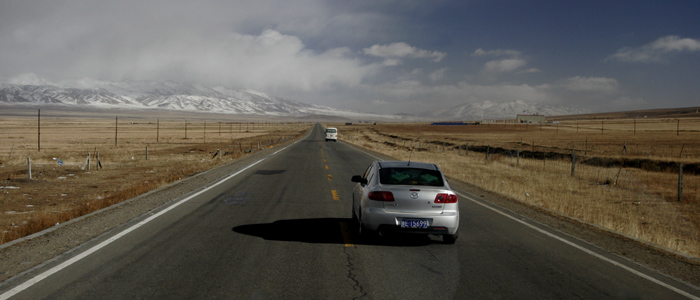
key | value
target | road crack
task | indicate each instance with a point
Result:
(352, 275)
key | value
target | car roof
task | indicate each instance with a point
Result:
(407, 164)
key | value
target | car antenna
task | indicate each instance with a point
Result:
(409, 158)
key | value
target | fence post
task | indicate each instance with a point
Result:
(518, 155)
(29, 167)
(116, 129)
(573, 162)
(488, 149)
(680, 182)
(86, 165)
(146, 152)
(38, 132)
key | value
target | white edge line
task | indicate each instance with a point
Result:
(572, 244)
(108, 241)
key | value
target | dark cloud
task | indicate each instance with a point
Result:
(379, 56)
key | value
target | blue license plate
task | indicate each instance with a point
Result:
(414, 223)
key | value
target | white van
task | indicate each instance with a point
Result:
(331, 134)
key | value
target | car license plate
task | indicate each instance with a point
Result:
(414, 223)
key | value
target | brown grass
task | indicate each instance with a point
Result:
(58, 193)
(632, 201)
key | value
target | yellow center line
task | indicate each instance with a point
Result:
(346, 234)
(326, 167)
(335, 195)
(330, 177)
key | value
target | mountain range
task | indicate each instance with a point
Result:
(500, 110)
(169, 95)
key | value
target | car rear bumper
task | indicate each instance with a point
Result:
(378, 219)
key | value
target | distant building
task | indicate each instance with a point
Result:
(530, 119)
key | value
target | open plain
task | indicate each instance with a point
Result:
(128, 177)
(620, 174)
(80, 162)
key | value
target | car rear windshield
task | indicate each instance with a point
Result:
(410, 176)
(330, 130)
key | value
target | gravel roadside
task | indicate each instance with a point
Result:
(21, 256)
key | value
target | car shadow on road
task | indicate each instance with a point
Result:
(326, 231)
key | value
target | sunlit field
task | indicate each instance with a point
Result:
(625, 177)
(82, 164)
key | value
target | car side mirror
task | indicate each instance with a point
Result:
(358, 178)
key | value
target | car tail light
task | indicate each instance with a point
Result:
(381, 196)
(446, 198)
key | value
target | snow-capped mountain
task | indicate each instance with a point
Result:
(169, 95)
(493, 110)
(30, 89)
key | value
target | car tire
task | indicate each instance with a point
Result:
(449, 238)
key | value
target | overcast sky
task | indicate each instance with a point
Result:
(372, 55)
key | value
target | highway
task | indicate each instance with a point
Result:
(280, 228)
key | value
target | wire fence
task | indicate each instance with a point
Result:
(658, 139)
(37, 135)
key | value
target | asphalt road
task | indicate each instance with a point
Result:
(280, 228)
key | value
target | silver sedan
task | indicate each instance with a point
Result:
(405, 196)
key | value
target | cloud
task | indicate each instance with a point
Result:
(261, 45)
(412, 94)
(531, 70)
(268, 61)
(438, 74)
(657, 50)
(504, 65)
(513, 62)
(498, 52)
(590, 84)
(400, 50)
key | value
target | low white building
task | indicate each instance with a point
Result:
(530, 119)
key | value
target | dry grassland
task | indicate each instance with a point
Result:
(136, 155)
(634, 193)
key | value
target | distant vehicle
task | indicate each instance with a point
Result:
(405, 196)
(331, 134)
